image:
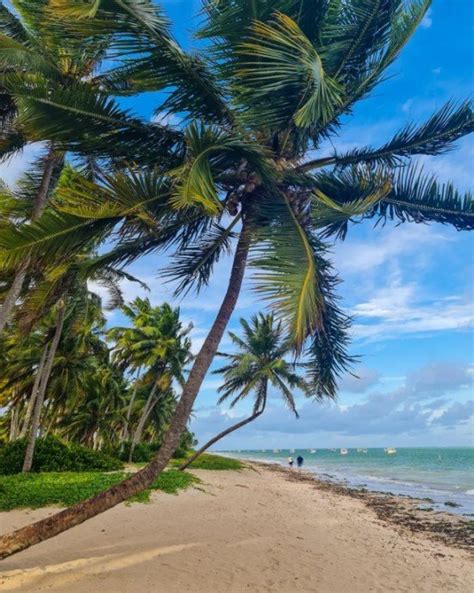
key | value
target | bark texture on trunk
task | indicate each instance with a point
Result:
(51, 161)
(147, 409)
(25, 537)
(35, 420)
(218, 437)
(14, 421)
(13, 294)
(34, 393)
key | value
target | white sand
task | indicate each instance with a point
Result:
(250, 531)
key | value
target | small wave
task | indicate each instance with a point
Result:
(470, 492)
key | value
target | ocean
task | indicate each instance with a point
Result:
(443, 474)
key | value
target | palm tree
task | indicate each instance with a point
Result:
(42, 57)
(258, 363)
(156, 344)
(271, 82)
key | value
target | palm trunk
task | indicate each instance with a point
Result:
(14, 421)
(40, 202)
(25, 537)
(34, 393)
(147, 408)
(125, 430)
(220, 436)
(35, 420)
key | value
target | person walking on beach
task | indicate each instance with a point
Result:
(290, 461)
(299, 461)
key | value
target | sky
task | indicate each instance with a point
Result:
(410, 288)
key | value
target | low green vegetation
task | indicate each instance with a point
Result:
(213, 462)
(66, 488)
(54, 455)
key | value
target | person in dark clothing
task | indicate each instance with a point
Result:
(299, 461)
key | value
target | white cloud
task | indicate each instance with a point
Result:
(427, 21)
(356, 256)
(416, 407)
(401, 309)
(406, 107)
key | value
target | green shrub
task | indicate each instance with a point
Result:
(62, 489)
(142, 453)
(53, 454)
(65, 489)
(208, 461)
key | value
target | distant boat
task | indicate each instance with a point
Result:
(292, 450)
(390, 450)
(264, 450)
(313, 451)
(360, 450)
(344, 451)
(276, 450)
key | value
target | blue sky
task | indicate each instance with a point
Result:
(410, 288)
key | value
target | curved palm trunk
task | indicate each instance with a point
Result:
(38, 207)
(25, 537)
(34, 393)
(35, 420)
(220, 436)
(125, 430)
(147, 409)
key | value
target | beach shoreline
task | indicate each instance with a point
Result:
(407, 511)
(258, 530)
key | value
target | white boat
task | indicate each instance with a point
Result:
(360, 450)
(390, 450)
(313, 451)
(276, 450)
(292, 450)
(344, 451)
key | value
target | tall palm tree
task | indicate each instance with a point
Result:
(157, 344)
(258, 363)
(244, 173)
(41, 61)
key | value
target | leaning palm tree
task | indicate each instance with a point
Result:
(258, 363)
(244, 173)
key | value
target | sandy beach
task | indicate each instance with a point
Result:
(256, 531)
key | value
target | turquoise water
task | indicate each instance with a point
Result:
(440, 473)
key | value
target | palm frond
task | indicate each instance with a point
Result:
(51, 237)
(417, 197)
(283, 77)
(327, 356)
(192, 267)
(210, 151)
(435, 136)
(340, 197)
(286, 270)
(66, 116)
(404, 21)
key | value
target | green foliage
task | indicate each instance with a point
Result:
(66, 489)
(211, 462)
(273, 82)
(62, 489)
(170, 482)
(143, 452)
(53, 454)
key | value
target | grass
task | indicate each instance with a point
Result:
(66, 488)
(212, 462)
